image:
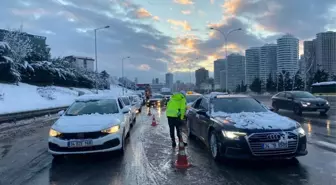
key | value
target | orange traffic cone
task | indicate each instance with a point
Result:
(154, 121)
(149, 112)
(182, 159)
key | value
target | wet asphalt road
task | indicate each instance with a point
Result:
(149, 159)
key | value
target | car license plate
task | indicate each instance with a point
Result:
(320, 110)
(275, 145)
(80, 143)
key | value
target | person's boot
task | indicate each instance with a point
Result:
(173, 144)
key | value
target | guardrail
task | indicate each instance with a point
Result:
(28, 114)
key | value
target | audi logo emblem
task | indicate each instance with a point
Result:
(273, 136)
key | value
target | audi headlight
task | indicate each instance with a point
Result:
(54, 133)
(112, 130)
(233, 135)
(300, 130)
(305, 104)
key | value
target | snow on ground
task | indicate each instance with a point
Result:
(257, 120)
(25, 97)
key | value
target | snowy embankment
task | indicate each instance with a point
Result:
(25, 97)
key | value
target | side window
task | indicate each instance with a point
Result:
(197, 103)
(281, 95)
(204, 104)
(120, 104)
(289, 95)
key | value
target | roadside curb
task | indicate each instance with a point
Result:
(325, 145)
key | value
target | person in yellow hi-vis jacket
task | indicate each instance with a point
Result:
(175, 112)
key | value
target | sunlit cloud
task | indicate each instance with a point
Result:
(212, 1)
(184, 2)
(143, 13)
(156, 18)
(186, 12)
(151, 47)
(144, 67)
(48, 32)
(184, 24)
(35, 13)
(231, 6)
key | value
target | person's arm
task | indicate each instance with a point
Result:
(183, 108)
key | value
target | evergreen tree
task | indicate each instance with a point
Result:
(270, 84)
(288, 82)
(256, 85)
(298, 82)
(320, 76)
(280, 82)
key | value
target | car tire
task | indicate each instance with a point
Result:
(139, 110)
(189, 134)
(214, 146)
(297, 110)
(275, 107)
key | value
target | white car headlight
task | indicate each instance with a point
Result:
(300, 131)
(305, 104)
(233, 135)
(54, 133)
(112, 130)
(327, 103)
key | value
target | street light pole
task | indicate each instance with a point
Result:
(225, 35)
(122, 73)
(95, 38)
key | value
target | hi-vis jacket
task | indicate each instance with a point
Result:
(176, 106)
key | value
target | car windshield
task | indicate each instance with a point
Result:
(126, 101)
(167, 93)
(93, 107)
(237, 105)
(158, 96)
(192, 98)
(302, 94)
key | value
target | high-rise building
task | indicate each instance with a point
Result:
(309, 54)
(219, 65)
(252, 64)
(326, 51)
(157, 81)
(223, 79)
(302, 66)
(268, 62)
(201, 75)
(288, 54)
(169, 80)
(236, 70)
(136, 80)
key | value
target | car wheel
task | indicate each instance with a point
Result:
(275, 107)
(297, 110)
(140, 110)
(189, 134)
(214, 147)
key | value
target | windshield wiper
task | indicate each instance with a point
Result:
(71, 114)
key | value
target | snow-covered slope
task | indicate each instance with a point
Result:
(26, 97)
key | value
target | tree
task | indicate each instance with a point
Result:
(20, 45)
(320, 76)
(270, 84)
(243, 87)
(333, 77)
(288, 82)
(256, 85)
(298, 82)
(280, 82)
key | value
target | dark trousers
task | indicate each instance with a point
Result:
(175, 123)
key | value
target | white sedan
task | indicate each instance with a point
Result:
(93, 123)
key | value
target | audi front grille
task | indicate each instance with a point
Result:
(256, 140)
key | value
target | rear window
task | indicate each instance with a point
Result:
(192, 98)
(237, 105)
(93, 107)
(302, 94)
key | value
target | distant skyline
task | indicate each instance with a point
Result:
(161, 33)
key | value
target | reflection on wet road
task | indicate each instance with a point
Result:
(149, 160)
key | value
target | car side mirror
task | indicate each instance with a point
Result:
(60, 113)
(125, 110)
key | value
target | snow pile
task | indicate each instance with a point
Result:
(324, 83)
(257, 120)
(25, 97)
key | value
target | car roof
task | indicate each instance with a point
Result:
(92, 97)
(213, 96)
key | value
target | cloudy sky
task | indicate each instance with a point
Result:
(161, 35)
